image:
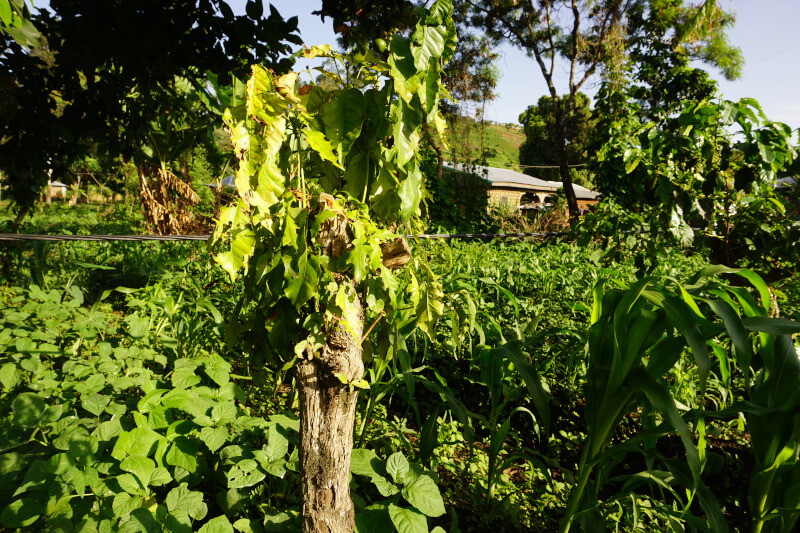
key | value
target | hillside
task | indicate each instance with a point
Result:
(500, 142)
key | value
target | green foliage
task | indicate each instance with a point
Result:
(541, 146)
(624, 234)
(470, 140)
(450, 403)
(96, 74)
(701, 175)
(496, 374)
(638, 334)
(662, 76)
(15, 21)
(293, 144)
(109, 428)
(459, 202)
(395, 478)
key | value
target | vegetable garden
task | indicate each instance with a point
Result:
(310, 368)
(141, 408)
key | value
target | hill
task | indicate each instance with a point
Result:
(500, 142)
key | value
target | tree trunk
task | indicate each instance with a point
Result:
(328, 409)
(217, 200)
(85, 199)
(327, 417)
(23, 210)
(569, 191)
(74, 198)
(438, 149)
(439, 161)
(563, 159)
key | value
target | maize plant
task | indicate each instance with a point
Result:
(637, 335)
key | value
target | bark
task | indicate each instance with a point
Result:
(328, 409)
(563, 159)
(327, 417)
(439, 161)
(101, 185)
(396, 253)
(437, 149)
(75, 192)
(217, 201)
(23, 211)
(85, 198)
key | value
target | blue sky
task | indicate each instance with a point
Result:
(767, 31)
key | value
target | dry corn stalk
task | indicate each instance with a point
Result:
(166, 202)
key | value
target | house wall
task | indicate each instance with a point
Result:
(514, 197)
(58, 192)
(498, 196)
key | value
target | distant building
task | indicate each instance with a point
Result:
(57, 189)
(227, 183)
(522, 191)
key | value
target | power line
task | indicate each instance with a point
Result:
(536, 166)
(22, 237)
(130, 238)
(485, 235)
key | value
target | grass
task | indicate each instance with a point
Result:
(500, 143)
(91, 218)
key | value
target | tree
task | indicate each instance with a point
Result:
(324, 177)
(713, 167)
(107, 70)
(664, 36)
(656, 79)
(15, 21)
(541, 148)
(360, 22)
(585, 35)
(584, 38)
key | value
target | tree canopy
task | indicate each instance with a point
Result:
(108, 70)
(607, 38)
(659, 64)
(540, 146)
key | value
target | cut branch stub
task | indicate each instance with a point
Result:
(334, 237)
(396, 253)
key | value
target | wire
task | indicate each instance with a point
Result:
(133, 238)
(20, 237)
(535, 166)
(485, 235)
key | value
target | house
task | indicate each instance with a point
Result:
(520, 190)
(227, 183)
(57, 189)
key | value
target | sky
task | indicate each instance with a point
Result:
(767, 31)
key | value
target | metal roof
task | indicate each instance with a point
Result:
(503, 175)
